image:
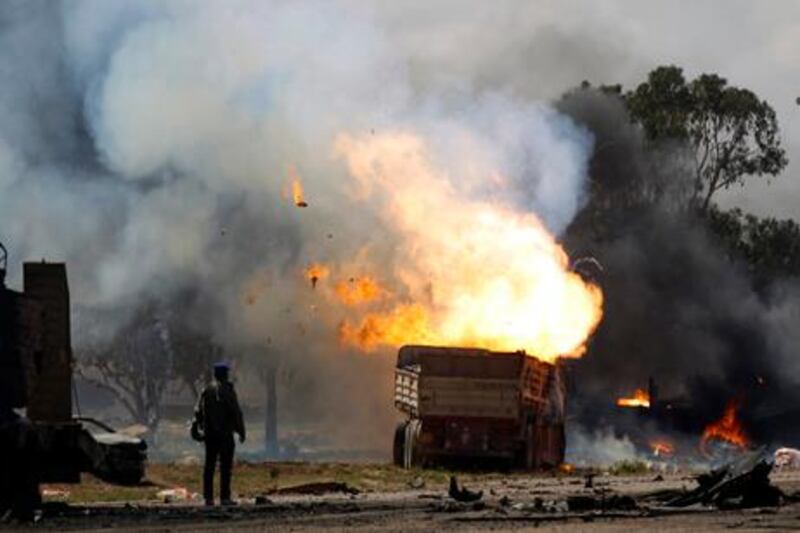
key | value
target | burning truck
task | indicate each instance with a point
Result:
(466, 404)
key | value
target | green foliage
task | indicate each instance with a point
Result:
(629, 467)
(770, 247)
(663, 104)
(732, 134)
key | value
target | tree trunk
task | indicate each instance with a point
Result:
(271, 412)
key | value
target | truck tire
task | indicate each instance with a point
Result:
(399, 445)
(411, 453)
(405, 451)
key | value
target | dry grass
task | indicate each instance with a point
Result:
(251, 479)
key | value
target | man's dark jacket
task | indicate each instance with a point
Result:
(218, 412)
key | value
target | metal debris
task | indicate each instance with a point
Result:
(463, 494)
(740, 484)
(318, 488)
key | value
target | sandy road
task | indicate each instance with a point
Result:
(521, 503)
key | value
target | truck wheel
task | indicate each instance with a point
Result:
(411, 454)
(399, 446)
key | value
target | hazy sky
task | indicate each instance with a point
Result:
(545, 46)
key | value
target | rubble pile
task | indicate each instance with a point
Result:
(744, 483)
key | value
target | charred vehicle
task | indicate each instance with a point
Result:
(48, 444)
(474, 405)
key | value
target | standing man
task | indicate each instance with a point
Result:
(219, 416)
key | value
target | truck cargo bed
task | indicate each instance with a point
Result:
(476, 404)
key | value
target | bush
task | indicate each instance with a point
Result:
(629, 467)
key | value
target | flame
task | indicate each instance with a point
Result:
(640, 399)
(728, 428)
(297, 188)
(662, 448)
(316, 272)
(473, 272)
(358, 291)
(393, 328)
(566, 468)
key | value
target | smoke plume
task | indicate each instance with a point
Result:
(678, 308)
(149, 145)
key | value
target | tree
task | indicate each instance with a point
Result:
(135, 365)
(628, 176)
(190, 325)
(164, 346)
(732, 134)
(193, 356)
(769, 247)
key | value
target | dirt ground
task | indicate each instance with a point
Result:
(383, 498)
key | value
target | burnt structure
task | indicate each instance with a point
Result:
(46, 443)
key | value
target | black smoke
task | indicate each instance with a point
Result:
(679, 308)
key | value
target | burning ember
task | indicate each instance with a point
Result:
(727, 429)
(662, 448)
(316, 272)
(640, 399)
(474, 272)
(296, 188)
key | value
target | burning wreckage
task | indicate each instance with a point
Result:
(462, 405)
(723, 437)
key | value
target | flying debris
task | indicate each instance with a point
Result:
(298, 195)
(316, 272)
(588, 267)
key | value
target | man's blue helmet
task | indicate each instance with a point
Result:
(221, 370)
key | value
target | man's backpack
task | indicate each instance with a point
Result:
(196, 431)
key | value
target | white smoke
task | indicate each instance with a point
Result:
(599, 448)
(146, 144)
(185, 104)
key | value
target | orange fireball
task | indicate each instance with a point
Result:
(358, 291)
(474, 271)
(391, 328)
